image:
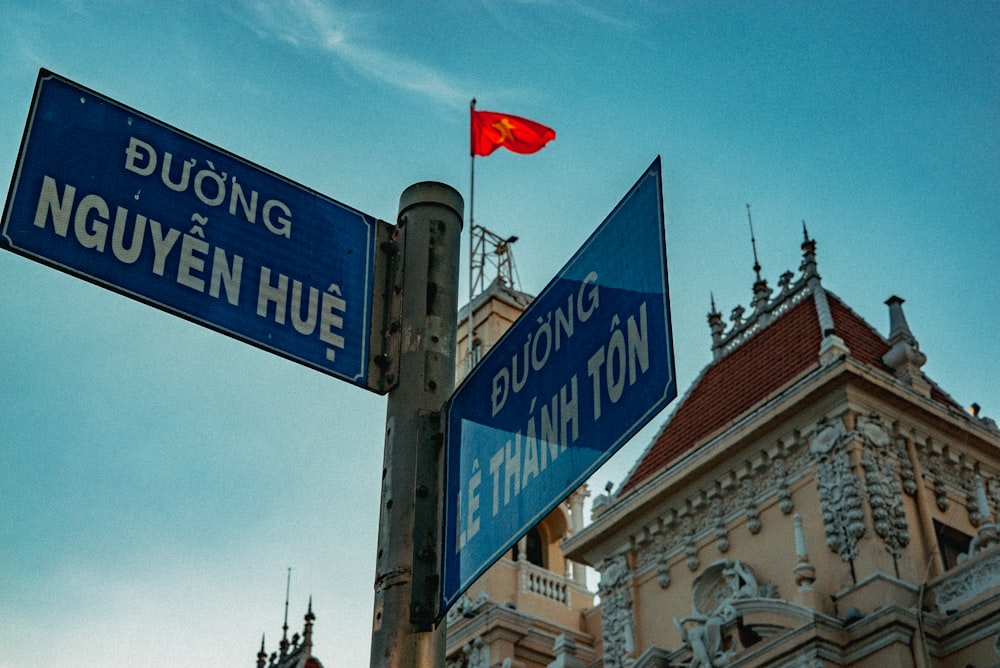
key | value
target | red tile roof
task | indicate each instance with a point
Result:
(761, 366)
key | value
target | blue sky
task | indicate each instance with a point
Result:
(157, 479)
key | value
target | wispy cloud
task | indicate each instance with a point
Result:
(584, 9)
(320, 26)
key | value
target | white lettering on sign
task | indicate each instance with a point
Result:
(527, 457)
(619, 357)
(208, 185)
(331, 305)
(91, 217)
(189, 258)
(552, 328)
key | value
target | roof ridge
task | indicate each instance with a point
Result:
(800, 339)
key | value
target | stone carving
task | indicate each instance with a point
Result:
(906, 473)
(872, 432)
(679, 530)
(829, 434)
(721, 533)
(784, 495)
(690, 547)
(474, 654)
(883, 487)
(839, 491)
(936, 470)
(663, 574)
(885, 501)
(971, 499)
(967, 582)
(989, 533)
(616, 605)
(750, 507)
(705, 641)
(712, 599)
(466, 607)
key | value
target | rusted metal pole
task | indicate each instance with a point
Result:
(430, 225)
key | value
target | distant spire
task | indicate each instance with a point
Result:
(761, 293)
(753, 243)
(284, 628)
(716, 326)
(262, 654)
(809, 256)
(307, 631)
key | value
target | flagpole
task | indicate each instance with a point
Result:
(472, 224)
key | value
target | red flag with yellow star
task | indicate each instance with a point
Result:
(492, 130)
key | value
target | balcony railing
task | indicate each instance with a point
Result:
(545, 583)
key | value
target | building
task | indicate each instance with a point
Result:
(294, 653)
(813, 500)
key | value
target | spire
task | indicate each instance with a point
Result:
(716, 325)
(283, 645)
(808, 255)
(262, 654)
(832, 347)
(753, 243)
(761, 293)
(307, 632)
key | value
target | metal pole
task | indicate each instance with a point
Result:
(430, 225)
(472, 224)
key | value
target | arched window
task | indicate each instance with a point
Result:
(533, 551)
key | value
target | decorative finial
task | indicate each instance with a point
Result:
(805, 232)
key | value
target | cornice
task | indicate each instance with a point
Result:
(614, 530)
(616, 522)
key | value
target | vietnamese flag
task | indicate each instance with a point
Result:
(492, 130)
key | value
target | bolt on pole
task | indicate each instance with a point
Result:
(429, 231)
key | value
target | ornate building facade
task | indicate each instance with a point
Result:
(813, 501)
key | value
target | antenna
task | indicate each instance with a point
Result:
(491, 249)
(284, 629)
(753, 243)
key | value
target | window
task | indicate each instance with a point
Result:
(952, 543)
(533, 548)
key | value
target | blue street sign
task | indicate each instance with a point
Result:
(115, 197)
(586, 366)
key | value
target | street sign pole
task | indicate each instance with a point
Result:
(406, 579)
